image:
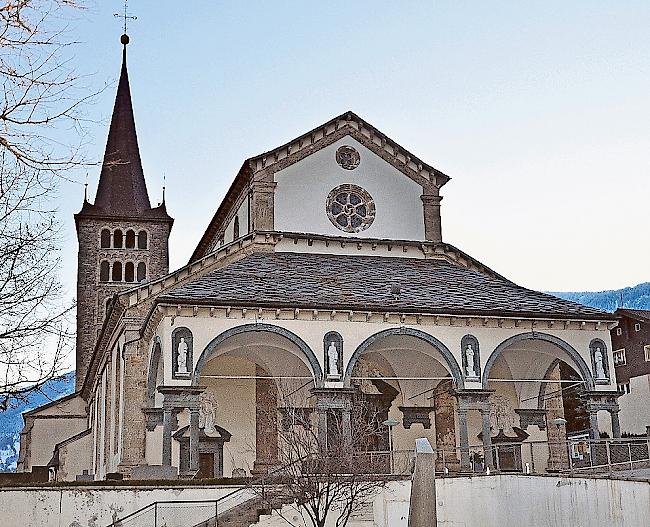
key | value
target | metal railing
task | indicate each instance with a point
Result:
(576, 457)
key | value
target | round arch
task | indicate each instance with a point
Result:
(154, 364)
(269, 328)
(429, 339)
(583, 369)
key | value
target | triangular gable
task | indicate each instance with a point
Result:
(320, 137)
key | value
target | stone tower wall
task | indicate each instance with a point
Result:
(91, 293)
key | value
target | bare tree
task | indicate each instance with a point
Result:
(326, 468)
(41, 136)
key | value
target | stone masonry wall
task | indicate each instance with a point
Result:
(91, 294)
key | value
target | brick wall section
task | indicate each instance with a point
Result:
(633, 341)
(91, 294)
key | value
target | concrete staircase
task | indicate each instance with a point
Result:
(249, 512)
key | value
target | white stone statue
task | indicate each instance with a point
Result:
(333, 360)
(208, 412)
(181, 357)
(469, 356)
(600, 369)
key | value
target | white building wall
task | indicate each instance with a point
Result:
(303, 187)
(635, 406)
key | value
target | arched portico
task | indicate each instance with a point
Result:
(439, 347)
(571, 354)
(536, 378)
(411, 377)
(250, 373)
(307, 353)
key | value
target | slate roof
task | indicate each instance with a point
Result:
(642, 314)
(319, 281)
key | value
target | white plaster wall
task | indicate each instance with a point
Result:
(494, 501)
(99, 506)
(303, 187)
(205, 329)
(635, 406)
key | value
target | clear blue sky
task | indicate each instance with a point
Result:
(540, 112)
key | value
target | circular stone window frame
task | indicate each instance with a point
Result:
(348, 209)
(348, 157)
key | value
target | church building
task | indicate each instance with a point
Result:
(322, 279)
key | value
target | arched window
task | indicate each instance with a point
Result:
(117, 239)
(235, 229)
(142, 272)
(103, 271)
(142, 240)
(130, 239)
(105, 239)
(117, 272)
(129, 272)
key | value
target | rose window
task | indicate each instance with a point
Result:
(350, 208)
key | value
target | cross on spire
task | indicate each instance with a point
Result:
(126, 16)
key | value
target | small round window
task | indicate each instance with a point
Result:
(348, 157)
(350, 208)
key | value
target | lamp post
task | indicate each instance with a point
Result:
(390, 423)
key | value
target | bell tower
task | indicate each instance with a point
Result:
(123, 240)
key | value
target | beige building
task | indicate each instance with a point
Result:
(321, 280)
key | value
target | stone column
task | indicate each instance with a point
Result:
(167, 437)
(487, 438)
(266, 422)
(593, 424)
(616, 425)
(464, 439)
(194, 439)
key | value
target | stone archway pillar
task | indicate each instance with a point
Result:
(475, 400)
(597, 401)
(333, 400)
(176, 399)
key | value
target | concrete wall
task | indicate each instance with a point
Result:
(491, 501)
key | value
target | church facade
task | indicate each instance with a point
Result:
(321, 280)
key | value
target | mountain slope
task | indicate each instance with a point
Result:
(11, 421)
(637, 297)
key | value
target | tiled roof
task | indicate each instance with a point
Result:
(319, 281)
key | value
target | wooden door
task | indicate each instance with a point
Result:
(206, 465)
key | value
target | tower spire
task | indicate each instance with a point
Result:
(122, 189)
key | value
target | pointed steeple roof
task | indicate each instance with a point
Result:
(122, 191)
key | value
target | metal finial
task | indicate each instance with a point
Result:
(124, 39)
(86, 189)
(163, 194)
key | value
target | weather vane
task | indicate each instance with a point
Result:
(126, 17)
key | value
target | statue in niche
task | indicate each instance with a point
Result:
(600, 368)
(181, 357)
(208, 412)
(333, 360)
(469, 357)
(501, 417)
